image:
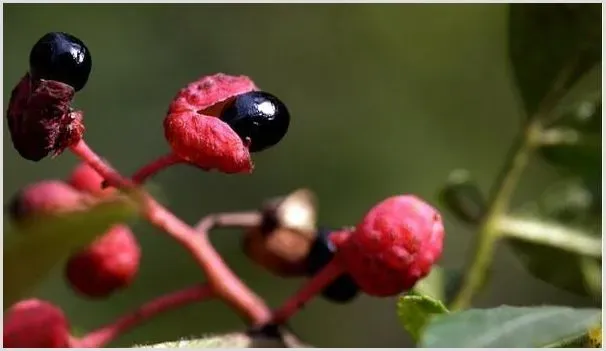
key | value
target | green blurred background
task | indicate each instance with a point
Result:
(385, 99)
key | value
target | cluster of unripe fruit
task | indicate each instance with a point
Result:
(111, 261)
(213, 123)
(285, 241)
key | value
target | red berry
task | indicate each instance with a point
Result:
(394, 246)
(112, 261)
(108, 264)
(86, 179)
(35, 323)
(46, 198)
(196, 134)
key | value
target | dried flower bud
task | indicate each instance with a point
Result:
(40, 118)
(283, 240)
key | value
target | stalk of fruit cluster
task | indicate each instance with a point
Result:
(242, 219)
(224, 283)
(104, 335)
(151, 168)
(309, 290)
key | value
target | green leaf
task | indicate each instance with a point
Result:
(574, 145)
(592, 338)
(282, 339)
(572, 205)
(32, 249)
(582, 110)
(556, 267)
(462, 197)
(453, 281)
(441, 284)
(546, 40)
(592, 276)
(507, 326)
(573, 202)
(432, 285)
(415, 311)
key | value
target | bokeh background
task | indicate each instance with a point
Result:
(385, 99)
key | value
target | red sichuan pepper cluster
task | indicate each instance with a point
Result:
(214, 123)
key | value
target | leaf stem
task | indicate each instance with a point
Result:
(498, 204)
(591, 270)
(504, 187)
(551, 234)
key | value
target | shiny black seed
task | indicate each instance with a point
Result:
(257, 117)
(61, 57)
(341, 290)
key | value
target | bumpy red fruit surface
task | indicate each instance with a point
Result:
(46, 198)
(110, 263)
(35, 323)
(394, 246)
(338, 237)
(197, 135)
(86, 179)
(40, 118)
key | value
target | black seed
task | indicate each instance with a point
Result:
(257, 117)
(341, 290)
(61, 57)
(321, 252)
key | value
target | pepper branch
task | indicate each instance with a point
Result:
(221, 280)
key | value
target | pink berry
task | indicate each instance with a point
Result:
(394, 246)
(87, 180)
(46, 198)
(35, 323)
(110, 263)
